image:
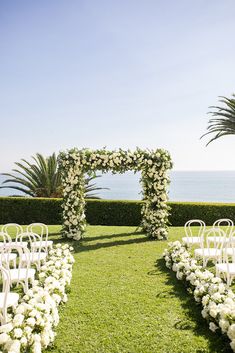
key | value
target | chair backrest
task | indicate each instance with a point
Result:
(30, 238)
(22, 263)
(224, 222)
(229, 252)
(194, 223)
(39, 228)
(14, 228)
(5, 238)
(5, 242)
(211, 238)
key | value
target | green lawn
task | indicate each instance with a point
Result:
(124, 300)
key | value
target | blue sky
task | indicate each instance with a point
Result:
(116, 74)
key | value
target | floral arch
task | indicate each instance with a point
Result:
(153, 164)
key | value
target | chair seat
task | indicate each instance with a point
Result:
(8, 257)
(229, 251)
(217, 240)
(21, 243)
(192, 240)
(34, 257)
(229, 268)
(208, 252)
(20, 274)
(18, 243)
(12, 299)
(43, 244)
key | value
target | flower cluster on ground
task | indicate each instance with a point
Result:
(32, 323)
(74, 164)
(217, 300)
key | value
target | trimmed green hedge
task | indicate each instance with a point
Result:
(107, 212)
(26, 210)
(112, 212)
(209, 212)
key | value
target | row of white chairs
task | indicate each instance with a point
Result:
(190, 239)
(216, 244)
(40, 229)
(26, 249)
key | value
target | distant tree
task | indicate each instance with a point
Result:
(41, 178)
(223, 119)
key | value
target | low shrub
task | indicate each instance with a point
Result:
(209, 212)
(25, 210)
(113, 212)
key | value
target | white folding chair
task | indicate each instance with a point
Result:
(7, 298)
(23, 272)
(37, 256)
(191, 239)
(223, 222)
(226, 268)
(44, 243)
(5, 242)
(14, 228)
(211, 250)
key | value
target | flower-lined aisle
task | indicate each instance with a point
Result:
(32, 323)
(218, 301)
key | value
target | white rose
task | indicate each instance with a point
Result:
(213, 327)
(23, 341)
(213, 312)
(232, 344)
(30, 321)
(37, 348)
(231, 332)
(224, 325)
(18, 332)
(6, 328)
(4, 337)
(14, 347)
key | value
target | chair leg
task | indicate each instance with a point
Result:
(4, 316)
(25, 286)
(204, 262)
(4, 286)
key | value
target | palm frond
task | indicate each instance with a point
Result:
(223, 119)
(26, 191)
(42, 178)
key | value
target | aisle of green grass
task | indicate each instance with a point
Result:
(123, 300)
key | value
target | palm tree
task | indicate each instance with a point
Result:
(42, 178)
(223, 121)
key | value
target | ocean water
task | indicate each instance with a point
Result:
(185, 186)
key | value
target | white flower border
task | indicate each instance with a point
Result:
(153, 164)
(218, 301)
(31, 326)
